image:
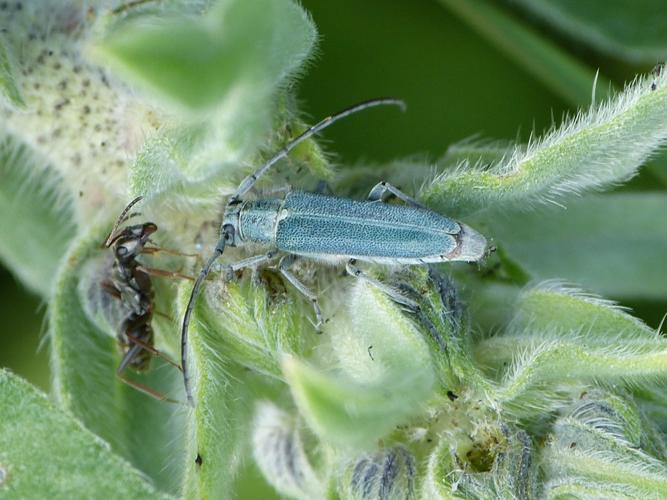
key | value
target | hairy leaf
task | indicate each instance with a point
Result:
(556, 305)
(45, 453)
(632, 31)
(223, 70)
(590, 447)
(597, 341)
(257, 319)
(220, 422)
(280, 453)
(612, 244)
(383, 374)
(8, 88)
(36, 221)
(202, 62)
(84, 358)
(349, 413)
(596, 149)
(500, 467)
(389, 474)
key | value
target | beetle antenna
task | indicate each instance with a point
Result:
(196, 290)
(248, 182)
(245, 185)
(120, 220)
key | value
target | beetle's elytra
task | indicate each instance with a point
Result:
(339, 229)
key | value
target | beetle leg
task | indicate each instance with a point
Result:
(383, 189)
(323, 187)
(253, 261)
(283, 267)
(272, 191)
(391, 292)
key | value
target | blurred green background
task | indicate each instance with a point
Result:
(456, 82)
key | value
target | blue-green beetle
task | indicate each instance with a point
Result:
(335, 229)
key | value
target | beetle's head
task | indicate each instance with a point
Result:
(230, 225)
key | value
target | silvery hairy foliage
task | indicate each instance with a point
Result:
(499, 384)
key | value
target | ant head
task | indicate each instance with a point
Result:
(124, 216)
(149, 228)
(127, 249)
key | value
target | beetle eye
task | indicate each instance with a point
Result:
(229, 233)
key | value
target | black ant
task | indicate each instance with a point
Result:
(130, 282)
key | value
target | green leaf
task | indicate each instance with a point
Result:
(599, 421)
(554, 304)
(559, 71)
(631, 31)
(220, 424)
(84, 358)
(168, 159)
(374, 339)
(222, 72)
(596, 342)
(383, 375)
(500, 466)
(255, 319)
(589, 454)
(389, 474)
(238, 331)
(36, 221)
(475, 151)
(442, 320)
(280, 453)
(8, 87)
(594, 150)
(210, 61)
(653, 400)
(45, 453)
(346, 413)
(611, 244)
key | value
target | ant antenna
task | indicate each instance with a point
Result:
(244, 187)
(121, 219)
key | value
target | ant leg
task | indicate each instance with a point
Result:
(146, 390)
(163, 315)
(391, 292)
(110, 288)
(154, 250)
(131, 353)
(163, 272)
(283, 266)
(153, 350)
(383, 189)
(249, 182)
(131, 5)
